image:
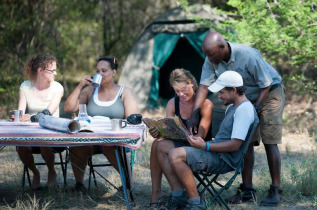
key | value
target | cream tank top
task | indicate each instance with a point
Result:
(112, 109)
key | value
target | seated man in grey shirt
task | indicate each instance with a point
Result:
(218, 156)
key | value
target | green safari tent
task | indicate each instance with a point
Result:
(172, 40)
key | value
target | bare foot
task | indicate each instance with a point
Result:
(156, 196)
(36, 182)
(51, 179)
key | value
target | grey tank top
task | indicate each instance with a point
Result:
(111, 109)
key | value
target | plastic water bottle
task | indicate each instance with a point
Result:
(82, 115)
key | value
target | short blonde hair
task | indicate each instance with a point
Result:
(182, 75)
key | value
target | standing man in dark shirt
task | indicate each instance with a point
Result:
(264, 90)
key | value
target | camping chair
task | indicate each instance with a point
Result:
(62, 162)
(92, 166)
(208, 181)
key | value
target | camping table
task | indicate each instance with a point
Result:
(32, 134)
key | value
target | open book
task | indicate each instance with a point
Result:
(169, 128)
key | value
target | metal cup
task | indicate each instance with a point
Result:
(17, 114)
(118, 124)
(96, 80)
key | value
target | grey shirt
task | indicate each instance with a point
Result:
(235, 125)
(248, 62)
(111, 109)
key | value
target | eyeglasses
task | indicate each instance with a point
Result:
(51, 71)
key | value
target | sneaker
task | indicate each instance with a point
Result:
(190, 206)
(273, 197)
(177, 202)
(244, 194)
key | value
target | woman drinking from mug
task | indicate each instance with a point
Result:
(109, 100)
(40, 93)
(185, 86)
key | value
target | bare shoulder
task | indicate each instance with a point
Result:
(208, 105)
(171, 102)
(170, 108)
(127, 91)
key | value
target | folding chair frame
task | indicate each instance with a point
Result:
(93, 172)
(208, 181)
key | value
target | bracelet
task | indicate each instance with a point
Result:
(207, 146)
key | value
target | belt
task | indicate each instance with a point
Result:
(273, 87)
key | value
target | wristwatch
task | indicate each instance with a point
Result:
(257, 108)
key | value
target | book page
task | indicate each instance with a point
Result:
(169, 128)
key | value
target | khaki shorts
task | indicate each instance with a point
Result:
(270, 126)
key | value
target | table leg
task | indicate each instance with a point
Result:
(127, 171)
(122, 175)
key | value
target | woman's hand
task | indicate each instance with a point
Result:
(86, 80)
(154, 132)
(196, 142)
(25, 118)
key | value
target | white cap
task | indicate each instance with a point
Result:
(227, 79)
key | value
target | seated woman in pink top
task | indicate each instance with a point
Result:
(40, 93)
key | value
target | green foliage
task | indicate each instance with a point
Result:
(285, 31)
(42, 27)
(301, 84)
(77, 32)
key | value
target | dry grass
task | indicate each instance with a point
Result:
(299, 176)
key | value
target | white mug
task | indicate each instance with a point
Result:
(116, 124)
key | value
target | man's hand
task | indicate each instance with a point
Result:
(196, 142)
(154, 132)
(194, 121)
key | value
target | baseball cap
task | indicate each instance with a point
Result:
(227, 79)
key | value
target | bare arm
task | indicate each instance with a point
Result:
(129, 102)
(199, 101)
(170, 108)
(22, 102)
(72, 101)
(227, 146)
(206, 117)
(55, 101)
(22, 106)
(262, 95)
